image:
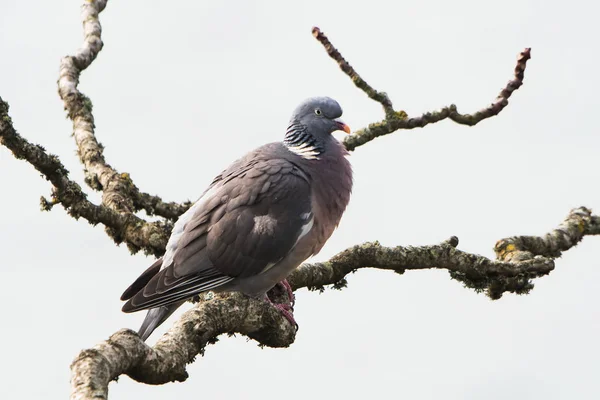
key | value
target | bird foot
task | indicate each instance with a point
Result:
(285, 286)
(285, 309)
(290, 292)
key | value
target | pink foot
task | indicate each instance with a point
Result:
(284, 309)
(290, 292)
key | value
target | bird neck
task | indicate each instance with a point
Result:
(299, 141)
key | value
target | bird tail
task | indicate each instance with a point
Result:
(155, 317)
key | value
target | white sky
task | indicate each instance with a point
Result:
(183, 88)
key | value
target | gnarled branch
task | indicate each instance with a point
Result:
(118, 191)
(519, 259)
(395, 120)
(121, 195)
(137, 233)
(125, 353)
(360, 83)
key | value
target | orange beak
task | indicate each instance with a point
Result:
(343, 127)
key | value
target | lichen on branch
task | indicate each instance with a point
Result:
(125, 353)
(118, 190)
(120, 194)
(135, 232)
(360, 83)
(519, 259)
(396, 120)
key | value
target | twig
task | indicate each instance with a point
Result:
(154, 205)
(395, 120)
(390, 125)
(380, 97)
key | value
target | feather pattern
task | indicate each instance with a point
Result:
(257, 221)
(300, 142)
(251, 217)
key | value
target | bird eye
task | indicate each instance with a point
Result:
(317, 111)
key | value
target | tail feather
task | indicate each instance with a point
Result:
(142, 280)
(155, 317)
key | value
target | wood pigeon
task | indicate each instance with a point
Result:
(257, 221)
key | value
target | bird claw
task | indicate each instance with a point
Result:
(285, 310)
(290, 292)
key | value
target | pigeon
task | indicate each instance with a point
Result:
(257, 221)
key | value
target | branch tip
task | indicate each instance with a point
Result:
(389, 124)
(452, 241)
(380, 97)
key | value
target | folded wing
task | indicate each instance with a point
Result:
(250, 218)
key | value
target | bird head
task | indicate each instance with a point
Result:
(320, 116)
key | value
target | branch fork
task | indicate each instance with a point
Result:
(519, 259)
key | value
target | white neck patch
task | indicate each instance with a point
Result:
(305, 151)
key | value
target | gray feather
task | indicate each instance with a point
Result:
(155, 317)
(258, 219)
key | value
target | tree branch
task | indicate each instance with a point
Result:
(125, 353)
(118, 191)
(120, 194)
(135, 232)
(396, 120)
(360, 83)
(518, 259)
(154, 205)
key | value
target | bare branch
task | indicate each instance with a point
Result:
(154, 205)
(579, 223)
(98, 174)
(395, 120)
(137, 233)
(399, 259)
(390, 125)
(118, 190)
(379, 97)
(520, 249)
(519, 259)
(125, 353)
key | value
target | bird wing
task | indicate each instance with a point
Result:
(249, 218)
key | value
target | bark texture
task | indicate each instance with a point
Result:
(121, 198)
(519, 259)
(125, 353)
(118, 191)
(396, 120)
(152, 236)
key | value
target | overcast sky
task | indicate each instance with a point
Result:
(183, 88)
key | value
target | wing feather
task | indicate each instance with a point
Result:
(247, 221)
